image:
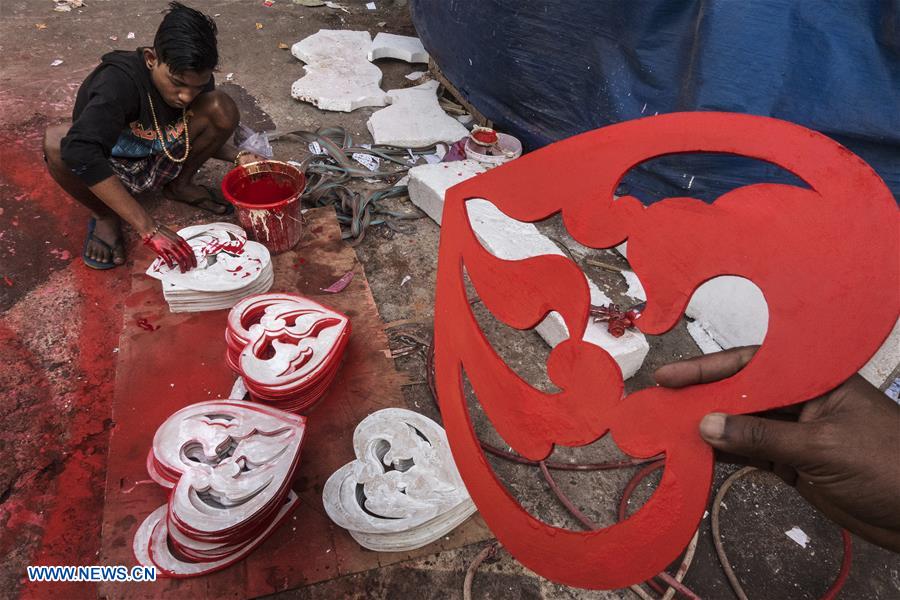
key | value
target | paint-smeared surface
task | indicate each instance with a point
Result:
(311, 548)
(57, 374)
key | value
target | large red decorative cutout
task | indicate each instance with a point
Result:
(815, 253)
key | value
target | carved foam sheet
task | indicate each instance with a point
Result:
(815, 250)
(229, 268)
(403, 490)
(287, 348)
(229, 464)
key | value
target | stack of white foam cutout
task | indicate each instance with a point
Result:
(229, 268)
(286, 348)
(403, 491)
(229, 466)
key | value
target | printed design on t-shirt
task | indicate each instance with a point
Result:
(140, 142)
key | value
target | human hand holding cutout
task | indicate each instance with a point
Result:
(842, 452)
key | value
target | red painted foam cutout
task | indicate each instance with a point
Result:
(815, 253)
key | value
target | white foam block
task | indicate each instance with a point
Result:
(401, 47)
(704, 341)
(731, 311)
(338, 75)
(509, 239)
(415, 118)
(429, 183)
(734, 309)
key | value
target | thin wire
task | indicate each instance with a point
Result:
(560, 466)
(673, 583)
(717, 539)
(470, 572)
(830, 594)
(835, 588)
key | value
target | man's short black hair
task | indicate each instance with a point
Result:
(186, 40)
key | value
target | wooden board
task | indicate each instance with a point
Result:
(182, 362)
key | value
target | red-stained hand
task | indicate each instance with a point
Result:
(172, 248)
(842, 453)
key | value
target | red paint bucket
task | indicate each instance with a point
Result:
(267, 197)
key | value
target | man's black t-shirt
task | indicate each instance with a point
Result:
(112, 117)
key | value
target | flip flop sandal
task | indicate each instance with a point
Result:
(210, 199)
(90, 262)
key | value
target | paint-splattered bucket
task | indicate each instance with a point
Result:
(267, 197)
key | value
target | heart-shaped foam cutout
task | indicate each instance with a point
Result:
(230, 463)
(403, 490)
(151, 547)
(291, 345)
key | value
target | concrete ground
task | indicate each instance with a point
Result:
(60, 325)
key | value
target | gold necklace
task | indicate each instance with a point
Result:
(162, 139)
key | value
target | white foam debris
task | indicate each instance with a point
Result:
(401, 47)
(238, 390)
(701, 336)
(798, 535)
(339, 76)
(635, 288)
(415, 118)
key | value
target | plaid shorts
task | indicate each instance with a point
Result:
(150, 173)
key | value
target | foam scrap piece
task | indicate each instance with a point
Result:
(401, 47)
(635, 288)
(702, 338)
(798, 535)
(414, 118)
(338, 76)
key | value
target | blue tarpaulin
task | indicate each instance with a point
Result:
(547, 70)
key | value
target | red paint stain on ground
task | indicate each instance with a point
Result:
(146, 325)
(61, 373)
(72, 530)
(37, 213)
